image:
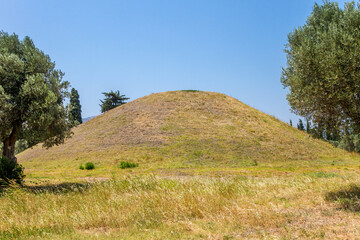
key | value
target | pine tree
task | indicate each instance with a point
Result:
(290, 122)
(112, 100)
(75, 107)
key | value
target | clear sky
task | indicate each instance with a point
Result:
(143, 47)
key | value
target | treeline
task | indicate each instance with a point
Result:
(346, 139)
(323, 73)
(111, 100)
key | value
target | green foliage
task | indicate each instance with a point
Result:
(322, 70)
(75, 108)
(291, 123)
(350, 142)
(300, 125)
(190, 90)
(32, 93)
(308, 126)
(124, 165)
(89, 166)
(81, 167)
(112, 99)
(323, 175)
(11, 171)
(21, 145)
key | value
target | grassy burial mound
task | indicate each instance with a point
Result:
(184, 129)
(255, 177)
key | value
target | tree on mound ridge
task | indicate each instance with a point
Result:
(112, 100)
(32, 93)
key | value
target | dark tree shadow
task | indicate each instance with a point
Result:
(3, 186)
(348, 198)
(60, 188)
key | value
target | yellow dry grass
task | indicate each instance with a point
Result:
(152, 207)
(210, 167)
(180, 129)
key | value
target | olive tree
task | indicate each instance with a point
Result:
(32, 95)
(323, 67)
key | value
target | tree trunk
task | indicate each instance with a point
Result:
(9, 146)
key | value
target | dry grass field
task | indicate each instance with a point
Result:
(210, 167)
(302, 206)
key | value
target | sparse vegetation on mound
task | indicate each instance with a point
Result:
(183, 130)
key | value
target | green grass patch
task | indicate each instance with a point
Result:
(124, 165)
(190, 90)
(322, 175)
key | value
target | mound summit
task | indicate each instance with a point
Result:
(182, 129)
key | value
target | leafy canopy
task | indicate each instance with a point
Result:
(112, 99)
(32, 93)
(323, 67)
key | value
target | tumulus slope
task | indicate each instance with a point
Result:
(184, 129)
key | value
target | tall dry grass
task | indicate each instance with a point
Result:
(152, 207)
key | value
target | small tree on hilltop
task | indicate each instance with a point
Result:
(112, 99)
(32, 93)
(75, 107)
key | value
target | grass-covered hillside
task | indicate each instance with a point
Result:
(205, 166)
(187, 130)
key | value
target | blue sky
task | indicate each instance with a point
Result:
(143, 47)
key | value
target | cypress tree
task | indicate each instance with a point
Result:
(308, 126)
(75, 107)
(300, 125)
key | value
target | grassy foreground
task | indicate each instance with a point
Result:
(304, 205)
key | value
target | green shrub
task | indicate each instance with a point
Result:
(81, 167)
(124, 165)
(89, 166)
(10, 171)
